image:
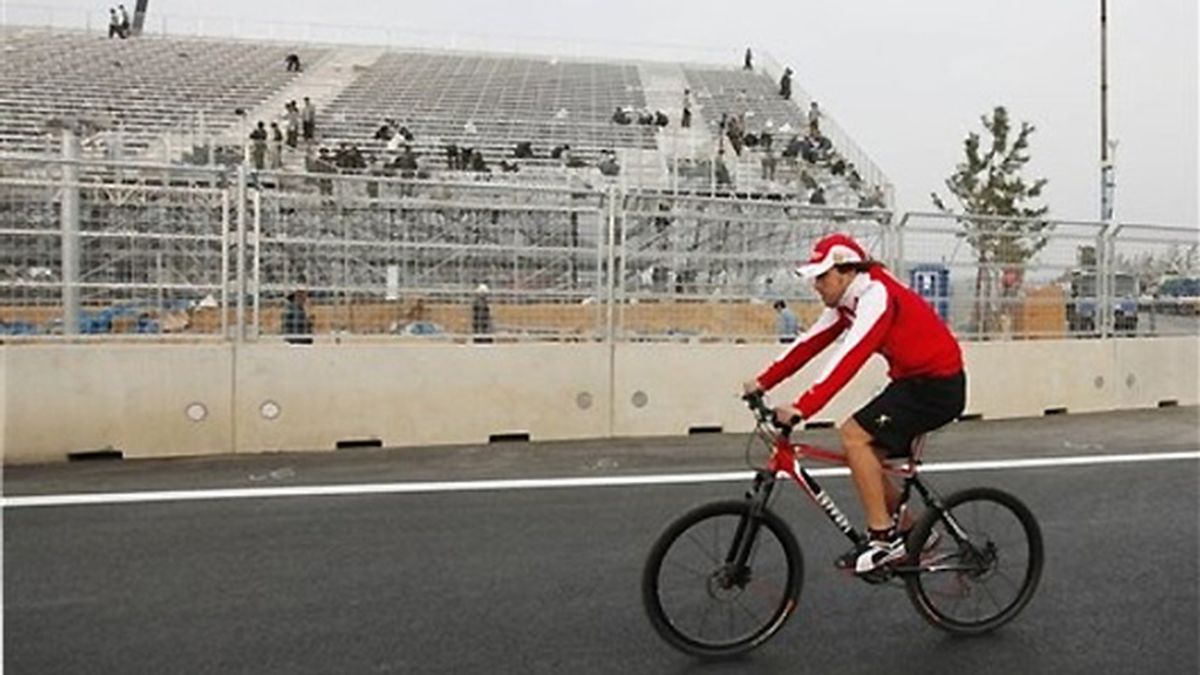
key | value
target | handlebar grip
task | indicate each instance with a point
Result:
(754, 401)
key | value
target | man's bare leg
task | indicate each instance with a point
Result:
(867, 471)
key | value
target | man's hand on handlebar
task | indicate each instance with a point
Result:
(751, 387)
(787, 416)
(783, 416)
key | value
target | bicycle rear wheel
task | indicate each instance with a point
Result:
(700, 600)
(985, 566)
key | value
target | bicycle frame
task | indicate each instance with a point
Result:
(785, 461)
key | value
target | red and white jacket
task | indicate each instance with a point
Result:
(877, 313)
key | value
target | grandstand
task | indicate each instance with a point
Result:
(176, 233)
(132, 93)
(131, 90)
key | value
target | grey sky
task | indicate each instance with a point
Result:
(907, 78)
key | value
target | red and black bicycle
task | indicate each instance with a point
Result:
(724, 577)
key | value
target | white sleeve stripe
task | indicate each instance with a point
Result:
(870, 309)
(827, 320)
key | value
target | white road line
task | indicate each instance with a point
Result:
(542, 483)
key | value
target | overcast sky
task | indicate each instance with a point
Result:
(907, 78)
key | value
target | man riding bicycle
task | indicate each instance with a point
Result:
(874, 313)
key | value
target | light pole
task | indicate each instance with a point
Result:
(1107, 182)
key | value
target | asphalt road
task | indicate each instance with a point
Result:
(547, 580)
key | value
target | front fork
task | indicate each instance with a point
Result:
(747, 530)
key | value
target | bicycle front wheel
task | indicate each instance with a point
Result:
(985, 566)
(706, 603)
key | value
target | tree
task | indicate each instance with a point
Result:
(998, 219)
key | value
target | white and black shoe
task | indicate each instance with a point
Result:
(879, 552)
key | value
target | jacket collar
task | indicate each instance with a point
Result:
(854, 291)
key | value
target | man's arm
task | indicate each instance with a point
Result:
(873, 317)
(818, 336)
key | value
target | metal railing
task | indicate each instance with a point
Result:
(105, 250)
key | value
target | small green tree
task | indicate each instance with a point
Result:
(997, 217)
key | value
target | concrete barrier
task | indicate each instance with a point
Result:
(156, 400)
(1027, 378)
(1164, 371)
(144, 400)
(665, 389)
(313, 397)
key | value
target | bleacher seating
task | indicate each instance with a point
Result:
(142, 87)
(147, 87)
(719, 91)
(489, 103)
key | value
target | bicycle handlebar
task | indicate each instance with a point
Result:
(756, 402)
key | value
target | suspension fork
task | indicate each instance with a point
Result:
(747, 530)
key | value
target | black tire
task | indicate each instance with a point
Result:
(999, 569)
(686, 569)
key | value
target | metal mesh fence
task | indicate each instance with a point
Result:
(422, 259)
(994, 277)
(1155, 287)
(716, 268)
(88, 249)
(117, 249)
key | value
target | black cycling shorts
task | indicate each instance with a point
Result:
(910, 407)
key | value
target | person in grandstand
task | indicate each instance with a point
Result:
(309, 121)
(295, 324)
(124, 15)
(276, 148)
(292, 120)
(872, 312)
(258, 146)
(481, 314)
(787, 326)
(114, 24)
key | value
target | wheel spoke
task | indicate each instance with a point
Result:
(703, 548)
(1008, 580)
(687, 568)
(987, 591)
